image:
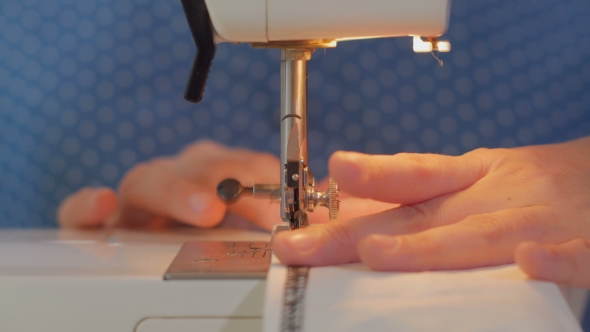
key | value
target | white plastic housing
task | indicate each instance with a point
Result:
(280, 20)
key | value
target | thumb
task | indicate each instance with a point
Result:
(405, 178)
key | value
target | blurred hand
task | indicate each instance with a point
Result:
(177, 189)
(460, 212)
(183, 189)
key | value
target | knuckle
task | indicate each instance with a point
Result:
(222, 169)
(492, 230)
(416, 217)
(496, 155)
(422, 250)
(545, 181)
(485, 156)
(199, 148)
(530, 170)
(161, 162)
(422, 165)
(480, 151)
(132, 177)
(342, 234)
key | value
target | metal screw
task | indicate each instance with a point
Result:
(229, 190)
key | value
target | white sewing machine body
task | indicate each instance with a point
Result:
(67, 281)
(284, 20)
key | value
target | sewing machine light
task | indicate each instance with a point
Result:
(429, 45)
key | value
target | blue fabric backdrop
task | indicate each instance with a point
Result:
(89, 88)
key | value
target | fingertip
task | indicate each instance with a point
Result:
(296, 247)
(89, 207)
(106, 203)
(346, 166)
(535, 260)
(329, 244)
(205, 210)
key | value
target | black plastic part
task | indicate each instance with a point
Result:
(199, 22)
(292, 169)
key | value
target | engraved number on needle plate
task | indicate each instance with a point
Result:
(220, 260)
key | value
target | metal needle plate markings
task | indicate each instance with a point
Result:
(220, 260)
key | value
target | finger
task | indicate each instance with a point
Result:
(87, 208)
(479, 240)
(336, 242)
(567, 263)
(155, 188)
(208, 163)
(260, 212)
(405, 178)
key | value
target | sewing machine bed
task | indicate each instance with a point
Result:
(66, 280)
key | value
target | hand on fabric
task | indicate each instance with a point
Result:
(183, 188)
(460, 212)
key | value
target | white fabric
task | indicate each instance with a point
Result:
(353, 298)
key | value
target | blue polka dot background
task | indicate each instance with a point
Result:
(90, 88)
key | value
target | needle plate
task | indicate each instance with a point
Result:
(220, 260)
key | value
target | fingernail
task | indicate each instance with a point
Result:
(199, 203)
(385, 242)
(303, 241)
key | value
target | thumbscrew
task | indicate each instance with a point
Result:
(230, 190)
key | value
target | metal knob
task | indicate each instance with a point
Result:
(328, 198)
(333, 202)
(230, 190)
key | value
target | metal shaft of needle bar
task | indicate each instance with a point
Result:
(293, 117)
